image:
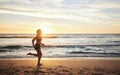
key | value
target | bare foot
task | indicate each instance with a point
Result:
(29, 53)
(40, 64)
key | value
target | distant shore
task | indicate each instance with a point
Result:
(54, 66)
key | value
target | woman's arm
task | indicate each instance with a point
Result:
(33, 42)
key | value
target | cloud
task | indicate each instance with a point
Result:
(34, 2)
(82, 11)
(104, 5)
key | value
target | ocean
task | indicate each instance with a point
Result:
(61, 45)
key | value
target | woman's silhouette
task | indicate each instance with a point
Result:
(37, 46)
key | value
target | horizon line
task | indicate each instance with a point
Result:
(52, 33)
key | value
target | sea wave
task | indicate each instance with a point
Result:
(6, 51)
(48, 37)
(60, 35)
(11, 47)
(80, 52)
(81, 46)
(57, 46)
(26, 37)
(115, 41)
(94, 54)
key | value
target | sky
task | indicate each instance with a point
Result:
(60, 16)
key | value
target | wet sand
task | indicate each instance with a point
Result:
(60, 67)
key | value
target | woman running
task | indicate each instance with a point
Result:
(37, 46)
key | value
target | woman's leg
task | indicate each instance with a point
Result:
(39, 56)
(32, 54)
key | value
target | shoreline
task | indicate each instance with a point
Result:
(83, 66)
(68, 58)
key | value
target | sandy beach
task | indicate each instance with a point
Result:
(60, 67)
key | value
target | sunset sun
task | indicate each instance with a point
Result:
(45, 27)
